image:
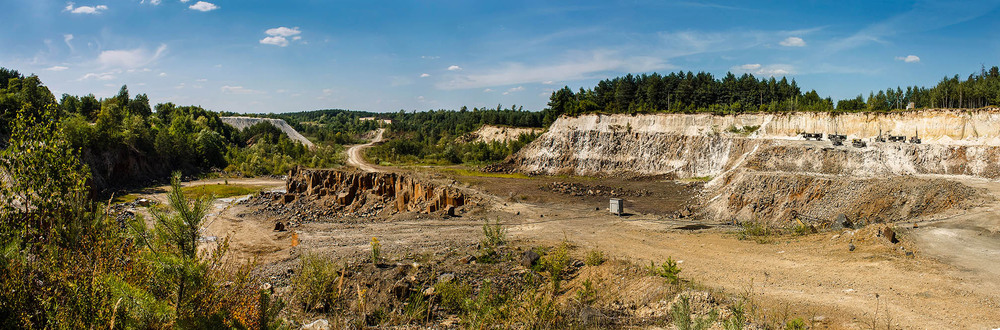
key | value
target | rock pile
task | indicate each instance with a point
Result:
(577, 189)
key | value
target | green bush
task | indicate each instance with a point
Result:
(315, 282)
(668, 270)
(594, 258)
(555, 263)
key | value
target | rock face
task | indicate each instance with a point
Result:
(490, 133)
(355, 189)
(762, 169)
(244, 122)
(954, 142)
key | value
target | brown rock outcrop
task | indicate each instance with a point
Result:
(353, 189)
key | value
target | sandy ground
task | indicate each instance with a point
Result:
(952, 282)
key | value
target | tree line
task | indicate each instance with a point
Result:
(688, 92)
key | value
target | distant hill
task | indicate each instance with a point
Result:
(244, 122)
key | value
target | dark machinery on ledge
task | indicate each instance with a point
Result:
(897, 138)
(812, 136)
(858, 143)
(837, 139)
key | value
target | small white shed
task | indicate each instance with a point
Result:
(617, 206)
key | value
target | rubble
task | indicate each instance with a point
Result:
(577, 189)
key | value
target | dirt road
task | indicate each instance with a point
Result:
(355, 154)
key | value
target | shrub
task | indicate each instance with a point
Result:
(555, 262)
(315, 284)
(738, 318)
(494, 236)
(668, 270)
(594, 258)
(587, 294)
(453, 294)
(796, 324)
(376, 250)
(680, 314)
(758, 232)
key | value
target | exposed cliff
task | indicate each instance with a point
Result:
(763, 169)
(373, 192)
(490, 133)
(244, 122)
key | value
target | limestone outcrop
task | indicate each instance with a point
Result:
(762, 168)
(355, 190)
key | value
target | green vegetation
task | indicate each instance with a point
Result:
(376, 252)
(494, 237)
(65, 263)
(316, 283)
(594, 258)
(209, 191)
(555, 263)
(680, 314)
(668, 270)
(758, 232)
(687, 92)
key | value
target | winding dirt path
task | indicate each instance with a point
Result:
(355, 154)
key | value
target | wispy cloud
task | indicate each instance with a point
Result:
(130, 58)
(90, 10)
(908, 58)
(57, 68)
(67, 38)
(425, 75)
(770, 70)
(239, 90)
(454, 68)
(99, 76)
(203, 6)
(793, 42)
(926, 15)
(513, 90)
(586, 66)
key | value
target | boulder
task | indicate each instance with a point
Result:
(890, 235)
(321, 324)
(529, 258)
(279, 226)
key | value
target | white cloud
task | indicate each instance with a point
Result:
(239, 90)
(421, 99)
(275, 40)
(163, 74)
(513, 90)
(908, 58)
(90, 10)
(98, 76)
(283, 31)
(793, 42)
(204, 6)
(454, 68)
(488, 90)
(67, 38)
(430, 57)
(424, 75)
(185, 1)
(586, 65)
(548, 82)
(278, 36)
(202, 80)
(770, 70)
(152, 2)
(57, 68)
(131, 58)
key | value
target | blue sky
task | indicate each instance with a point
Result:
(295, 55)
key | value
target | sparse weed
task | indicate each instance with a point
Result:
(315, 282)
(802, 229)
(738, 318)
(587, 294)
(453, 294)
(494, 236)
(680, 314)
(795, 324)
(594, 258)
(376, 251)
(555, 262)
(668, 270)
(751, 230)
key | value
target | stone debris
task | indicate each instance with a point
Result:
(577, 189)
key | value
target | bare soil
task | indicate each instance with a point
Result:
(948, 280)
